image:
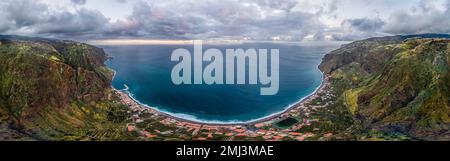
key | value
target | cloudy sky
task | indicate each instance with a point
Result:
(223, 19)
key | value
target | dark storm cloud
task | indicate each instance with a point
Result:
(278, 4)
(425, 17)
(39, 19)
(121, 1)
(78, 2)
(211, 19)
(424, 20)
(83, 21)
(365, 24)
(354, 35)
(194, 19)
(13, 14)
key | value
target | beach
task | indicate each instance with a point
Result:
(257, 128)
(131, 102)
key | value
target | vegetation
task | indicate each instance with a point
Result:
(286, 123)
(57, 90)
(395, 86)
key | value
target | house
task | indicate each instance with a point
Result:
(295, 134)
(267, 137)
(278, 137)
(148, 135)
(240, 130)
(260, 125)
(328, 135)
(241, 135)
(131, 128)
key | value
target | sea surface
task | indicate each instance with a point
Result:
(145, 71)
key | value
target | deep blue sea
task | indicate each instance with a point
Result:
(146, 71)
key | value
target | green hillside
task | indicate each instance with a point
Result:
(53, 90)
(395, 85)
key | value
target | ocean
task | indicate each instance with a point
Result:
(145, 71)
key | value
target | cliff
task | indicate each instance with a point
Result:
(395, 85)
(56, 90)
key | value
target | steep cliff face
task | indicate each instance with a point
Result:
(51, 89)
(396, 84)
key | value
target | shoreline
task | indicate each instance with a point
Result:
(127, 98)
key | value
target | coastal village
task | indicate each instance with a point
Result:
(150, 124)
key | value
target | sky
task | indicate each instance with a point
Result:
(290, 20)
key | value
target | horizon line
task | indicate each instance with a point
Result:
(190, 42)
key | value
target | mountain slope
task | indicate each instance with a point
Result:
(397, 84)
(55, 90)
